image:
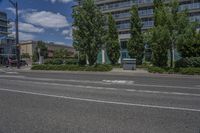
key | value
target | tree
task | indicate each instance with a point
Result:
(41, 47)
(112, 44)
(135, 43)
(176, 22)
(158, 36)
(158, 44)
(61, 53)
(189, 43)
(88, 33)
(174, 25)
(25, 55)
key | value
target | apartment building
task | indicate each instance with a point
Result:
(7, 43)
(120, 9)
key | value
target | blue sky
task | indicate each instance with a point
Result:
(47, 20)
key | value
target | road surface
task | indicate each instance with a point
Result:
(56, 102)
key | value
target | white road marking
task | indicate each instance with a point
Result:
(167, 86)
(102, 101)
(1, 70)
(163, 92)
(131, 83)
(11, 76)
(119, 81)
(11, 72)
(112, 89)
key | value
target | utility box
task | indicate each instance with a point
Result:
(129, 64)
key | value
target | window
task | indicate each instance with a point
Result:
(124, 44)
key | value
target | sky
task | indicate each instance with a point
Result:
(47, 20)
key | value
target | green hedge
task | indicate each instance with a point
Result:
(53, 62)
(188, 62)
(61, 61)
(188, 71)
(100, 68)
(71, 62)
(156, 70)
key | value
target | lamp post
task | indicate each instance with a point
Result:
(15, 5)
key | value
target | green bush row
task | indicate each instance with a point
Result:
(189, 70)
(100, 68)
(188, 62)
(61, 61)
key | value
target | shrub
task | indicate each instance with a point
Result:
(72, 67)
(190, 71)
(71, 61)
(156, 70)
(188, 62)
(53, 61)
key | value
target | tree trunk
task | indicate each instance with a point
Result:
(171, 57)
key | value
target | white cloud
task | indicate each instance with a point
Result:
(25, 27)
(61, 43)
(67, 34)
(63, 1)
(25, 36)
(46, 19)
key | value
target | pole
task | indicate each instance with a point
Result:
(15, 5)
(17, 36)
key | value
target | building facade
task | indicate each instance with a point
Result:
(120, 9)
(7, 43)
(29, 47)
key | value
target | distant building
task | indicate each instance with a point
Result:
(120, 9)
(29, 47)
(7, 43)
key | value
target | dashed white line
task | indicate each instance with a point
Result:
(163, 92)
(11, 76)
(11, 72)
(103, 101)
(111, 89)
(119, 81)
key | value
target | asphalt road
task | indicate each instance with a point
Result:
(56, 102)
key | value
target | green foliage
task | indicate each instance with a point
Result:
(82, 59)
(71, 62)
(61, 53)
(188, 62)
(156, 70)
(187, 71)
(40, 49)
(100, 68)
(158, 45)
(60, 61)
(43, 49)
(89, 30)
(135, 43)
(54, 61)
(112, 44)
(189, 43)
(25, 55)
(190, 71)
(170, 28)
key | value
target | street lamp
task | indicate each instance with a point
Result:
(15, 5)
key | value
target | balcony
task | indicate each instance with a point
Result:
(192, 6)
(3, 19)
